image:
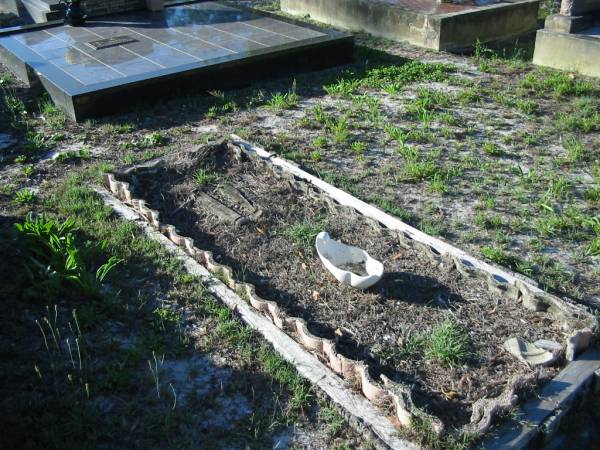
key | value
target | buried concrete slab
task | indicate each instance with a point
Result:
(426, 23)
(117, 61)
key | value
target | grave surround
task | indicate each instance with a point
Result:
(200, 46)
(425, 23)
(571, 39)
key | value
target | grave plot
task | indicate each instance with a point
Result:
(433, 334)
(434, 24)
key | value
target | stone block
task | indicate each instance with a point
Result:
(568, 24)
(579, 7)
(425, 23)
(576, 52)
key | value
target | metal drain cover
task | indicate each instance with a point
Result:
(111, 42)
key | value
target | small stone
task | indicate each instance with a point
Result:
(529, 353)
(578, 342)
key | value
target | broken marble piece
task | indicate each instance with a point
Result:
(551, 346)
(529, 353)
(578, 342)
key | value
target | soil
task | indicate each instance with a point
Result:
(376, 325)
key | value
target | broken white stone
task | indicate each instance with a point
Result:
(551, 346)
(529, 353)
(578, 342)
(334, 255)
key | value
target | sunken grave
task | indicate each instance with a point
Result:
(254, 227)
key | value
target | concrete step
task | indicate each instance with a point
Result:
(43, 10)
(51, 5)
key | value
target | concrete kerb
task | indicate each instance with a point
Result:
(364, 417)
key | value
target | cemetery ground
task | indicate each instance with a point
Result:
(484, 150)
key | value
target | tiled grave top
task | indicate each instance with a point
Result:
(148, 44)
(434, 7)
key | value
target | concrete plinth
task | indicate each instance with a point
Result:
(579, 52)
(426, 23)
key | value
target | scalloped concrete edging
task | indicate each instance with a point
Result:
(399, 396)
(364, 417)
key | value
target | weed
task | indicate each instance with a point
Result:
(469, 96)
(389, 206)
(16, 109)
(439, 183)
(358, 147)
(492, 149)
(526, 106)
(304, 234)
(316, 156)
(574, 149)
(54, 117)
(320, 141)
(448, 344)
(556, 83)
(204, 177)
(28, 170)
(70, 155)
(118, 128)
(280, 101)
(343, 87)
(55, 260)
(25, 196)
(36, 142)
(153, 139)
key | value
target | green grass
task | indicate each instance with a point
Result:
(153, 139)
(204, 177)
(558, 84)
(281, 101)
(448, 344)
(303, 234)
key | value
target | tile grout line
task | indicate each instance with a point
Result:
(86, 54)
(130, 51)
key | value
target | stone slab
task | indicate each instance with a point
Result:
(568, 24)
(578, 52)
(579, 7)
(201, 46)
(536, 419)
(426, 23)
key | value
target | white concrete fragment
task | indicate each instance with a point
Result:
(578, 342)
(335, 255)
(551, 346)
(529, 353)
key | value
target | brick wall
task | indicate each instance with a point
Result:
(100, 7)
